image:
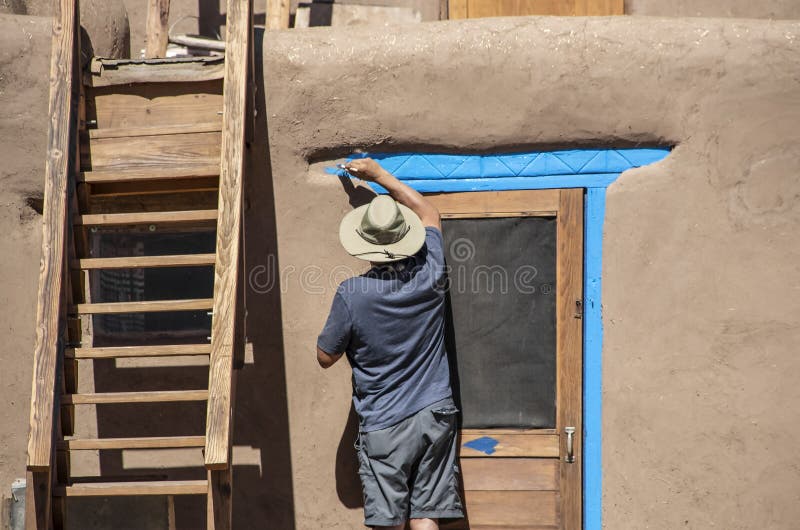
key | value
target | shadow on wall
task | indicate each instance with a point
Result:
(263, 487)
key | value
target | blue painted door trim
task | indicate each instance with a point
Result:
(592, 169)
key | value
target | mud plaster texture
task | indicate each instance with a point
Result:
(701, 406)
(105, 22)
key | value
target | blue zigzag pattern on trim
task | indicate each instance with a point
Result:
(422, 166)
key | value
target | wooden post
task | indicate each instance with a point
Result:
(278, 12)
(157, 28)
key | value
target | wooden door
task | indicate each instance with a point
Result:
(518, 347)
(508, 8)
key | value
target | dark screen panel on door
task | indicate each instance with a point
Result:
(502, 319)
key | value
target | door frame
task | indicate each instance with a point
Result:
(566, 206)
(591, 169)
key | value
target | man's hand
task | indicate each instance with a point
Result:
(366, 169)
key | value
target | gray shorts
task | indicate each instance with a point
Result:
(410, 470)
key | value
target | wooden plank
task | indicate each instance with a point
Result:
(189, 304)
(223, 324)
(530, 445)
(105, 219)
(149, 174)
(158, 202)
(162, 396)
(277, 14)
(51, 266)
(219, 507)
(106, 489)
(168, 350)
(154, 187)
(155, 105)
(457, 9)
(38, 500)
(152, 152)
(157, 28)
(134, 262)
(160, 130)
(509, 474)
(598, 7)
(134, 443)
(496, 203)
(164, 72)
(569, 350)
(508, 508)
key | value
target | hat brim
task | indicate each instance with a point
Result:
(360, 248)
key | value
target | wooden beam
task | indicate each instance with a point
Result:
(167, 350)
(134, 443)
(104, 489)
(229, 220)
(278, 14)
(220, 497)
(183, 216)
(51, 268)
(160, 396)
(148, 174)
(157, 28)
(135, 262)
(160, 130)
(189, 304)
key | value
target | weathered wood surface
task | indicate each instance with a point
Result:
(529, 445)
(168, 350)
(148, 174)
(152, 152)
(155, 442)
(133, 262)
(104, 489)
(161, 396)
(496, 203)
(152, 306)
(508, 509)
(157, 28)
(145, 217)
(278, 14)
(106, 72)
(51, 268)
(509, 474)
(157, 130)
(569, 349)
(218, 421)
(459, 9)
(155, 105)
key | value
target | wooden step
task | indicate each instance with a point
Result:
(102, 489)
(159, 130)
(152, 152)
(183, 216)
(164, 442)
(197, 304)
(169, 173)
(135, 262)
(167, 350)
(165, 396)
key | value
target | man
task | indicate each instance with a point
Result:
(390, 322)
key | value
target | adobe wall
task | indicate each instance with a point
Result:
(701, 250)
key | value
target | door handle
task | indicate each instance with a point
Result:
(570, 458)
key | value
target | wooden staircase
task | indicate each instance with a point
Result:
(139, 148)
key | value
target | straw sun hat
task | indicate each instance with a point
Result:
(382, 231)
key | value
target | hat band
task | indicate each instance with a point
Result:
(369, 238)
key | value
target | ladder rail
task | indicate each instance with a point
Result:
(52, 296)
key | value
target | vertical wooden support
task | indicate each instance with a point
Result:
(278, 12)
(221, 383)
(157, 28)
(569, 283)
(457, 9)
(50, 321)
(443, 9)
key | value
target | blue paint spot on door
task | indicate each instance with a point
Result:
(484, 444)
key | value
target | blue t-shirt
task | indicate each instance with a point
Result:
(390, 322)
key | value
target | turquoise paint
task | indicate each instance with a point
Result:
(484, 444)
(593, 170)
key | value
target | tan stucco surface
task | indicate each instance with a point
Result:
(701, 406)
(701, 250)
